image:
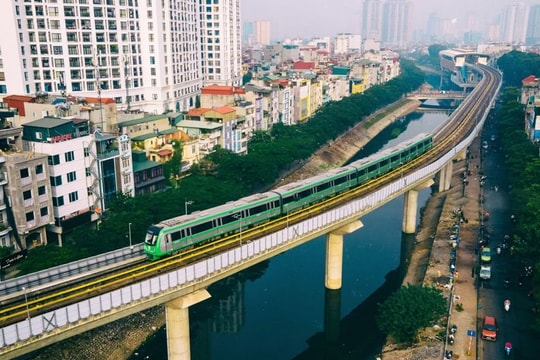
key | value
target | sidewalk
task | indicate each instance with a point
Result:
(465, 194)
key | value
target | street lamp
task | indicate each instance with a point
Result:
(186, 203)
(26, 303)
(129, 235)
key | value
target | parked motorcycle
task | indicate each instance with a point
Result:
(507, 348)
(507, 305)
(448, 355)
(451, 339)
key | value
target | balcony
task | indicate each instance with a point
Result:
(4, 229)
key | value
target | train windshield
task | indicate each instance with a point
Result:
(152, 235)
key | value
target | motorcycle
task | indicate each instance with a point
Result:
(451, 339)
(507, 305)
(448, 355)
(453, 329)
(507, 348)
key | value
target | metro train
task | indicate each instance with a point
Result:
(176, 234)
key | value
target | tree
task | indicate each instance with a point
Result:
(410, 309)
(247, 77)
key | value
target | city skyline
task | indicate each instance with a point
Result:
(308, 18)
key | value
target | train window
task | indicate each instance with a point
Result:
(394, 158)
(288, 199)
(259, 209)
(304, 193)
(228, 219)
(384, 162)
(177, 235)
(341, 180)
(201, 227)
(150, 238)
(372, 168)
(323, 186)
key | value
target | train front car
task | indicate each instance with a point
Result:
(151, 243)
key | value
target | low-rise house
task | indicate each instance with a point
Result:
(148, 175)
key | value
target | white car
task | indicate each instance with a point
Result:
(485, 272)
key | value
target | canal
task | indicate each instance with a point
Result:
(280, 308)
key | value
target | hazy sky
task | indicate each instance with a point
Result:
(309, 18)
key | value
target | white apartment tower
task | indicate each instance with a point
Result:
(396, 23)
(262, 32)
(221, 42)
(149, 55)
(371, 19)
(514, 21)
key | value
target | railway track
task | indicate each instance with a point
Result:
(462, 123)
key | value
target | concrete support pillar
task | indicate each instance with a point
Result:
(449, 171)
(410, 207)
(334, 254)
(177, 324)
(445, 177)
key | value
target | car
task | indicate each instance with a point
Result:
(485, 272)
(489, 328)
(485, 255)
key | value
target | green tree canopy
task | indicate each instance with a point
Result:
(517, 65)
(410, 309)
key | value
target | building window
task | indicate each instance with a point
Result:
(74, 196)
(54, 159)
(86, 152)
(27, 194)
(29, 216)
(89, 191)
(39, 169)
(71, 176)
(56, 180)
(42, 190)
(58, 201)
(88, 172)
(44, 211)
(69, 156)
(25, 173)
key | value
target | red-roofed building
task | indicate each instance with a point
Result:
(18, 101)
(220, 95)
(304, 66)
(530, 90)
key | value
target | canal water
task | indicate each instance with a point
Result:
(280, 309)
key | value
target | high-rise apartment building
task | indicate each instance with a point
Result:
(262, 32)
(221, 45)
(371, 19)
(533, 26)
(396, 23)
(514, 23)
(149, 55)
